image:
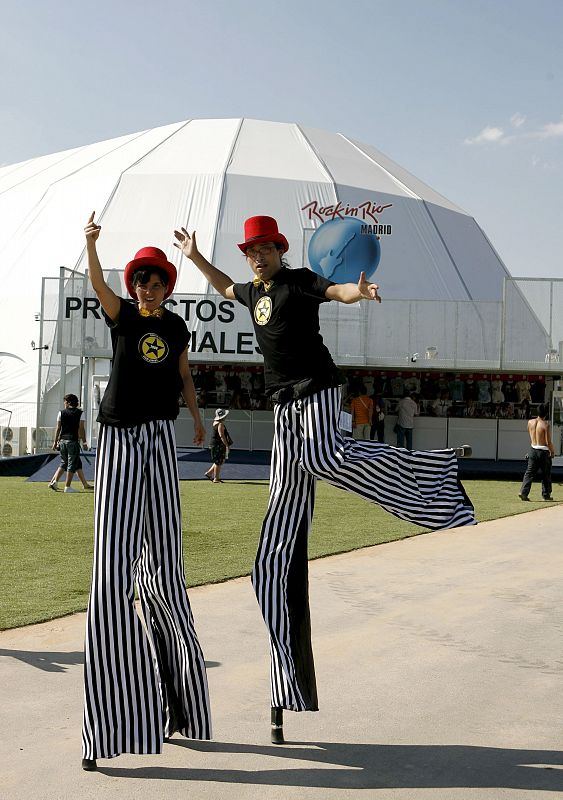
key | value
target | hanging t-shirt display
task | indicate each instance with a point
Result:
(537, 391)
(456, 388)
(498, 394)
(397, 386)
(484, 391)
(523, 389)
(509, 391)
(471, 389)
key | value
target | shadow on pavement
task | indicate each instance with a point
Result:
(372, 766)
(58, 662)
(49, 662)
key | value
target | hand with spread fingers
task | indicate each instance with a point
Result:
(186, 243)
(368, 290)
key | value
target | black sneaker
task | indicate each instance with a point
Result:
(524, 497)
(548, 499)
(89, 764)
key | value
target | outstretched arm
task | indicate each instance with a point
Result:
(351, 293)
(220, 282)
(189, 395)
(110, 302)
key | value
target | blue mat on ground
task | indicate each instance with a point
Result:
(255, 466)
(241, 466)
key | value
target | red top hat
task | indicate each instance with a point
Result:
(262, 229)
(150, 257)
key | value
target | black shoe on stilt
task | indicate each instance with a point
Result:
(89, 764)
(277, 726)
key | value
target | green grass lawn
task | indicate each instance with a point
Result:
(46, 537)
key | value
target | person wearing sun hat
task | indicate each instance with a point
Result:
(140, 686)
(304, 384)
(219, 446)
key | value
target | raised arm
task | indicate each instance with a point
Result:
(189, 395)
(220, 282)
(351, 292)
(110, 302)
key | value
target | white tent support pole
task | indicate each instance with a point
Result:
(86, 401)
(364, 311)
(551, 315)
(412, 346)
(58, 340)
(39, 365)
(100, 216)
(321, 161)
(503, 324)
(62, 381)
(219, 206)
(390, 175)
(447, 249)
(456, 335)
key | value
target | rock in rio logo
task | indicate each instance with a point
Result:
(347, 241)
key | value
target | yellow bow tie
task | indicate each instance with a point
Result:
(158, 312)
(267, 284)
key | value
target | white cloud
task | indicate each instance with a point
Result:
(551, 130)
(546, 166)
(517, 120)
(494, 135)
(488, 134)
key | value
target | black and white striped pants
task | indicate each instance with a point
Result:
(140, 684)
(418, 486)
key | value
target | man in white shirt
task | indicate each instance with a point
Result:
(407, 410)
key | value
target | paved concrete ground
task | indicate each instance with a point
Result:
(440, 671)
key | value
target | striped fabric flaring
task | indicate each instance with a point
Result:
(420, 486)
(140, 684)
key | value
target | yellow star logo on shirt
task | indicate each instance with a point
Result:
(152, 348)
(263, 310)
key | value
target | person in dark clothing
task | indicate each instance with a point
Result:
(304, 383)
(68, 435)
(141, 682)
(540, 455)
(219, 445)
(378, 420)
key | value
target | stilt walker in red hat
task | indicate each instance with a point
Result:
(141, 684)
(304, 384)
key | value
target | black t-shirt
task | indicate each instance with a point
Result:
(145, 381)
(70, 422)
(286, 322)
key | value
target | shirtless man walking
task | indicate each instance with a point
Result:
(540, 455)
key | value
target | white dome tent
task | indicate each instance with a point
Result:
(442, 281)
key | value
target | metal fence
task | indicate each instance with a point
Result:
(522, 333)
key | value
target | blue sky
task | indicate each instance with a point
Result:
(468, 96)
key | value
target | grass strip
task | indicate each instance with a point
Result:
(46, 537)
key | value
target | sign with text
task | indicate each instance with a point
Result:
(219, 329)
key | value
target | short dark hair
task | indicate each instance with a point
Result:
(143, 275)
(543, 410)
(71, 399)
